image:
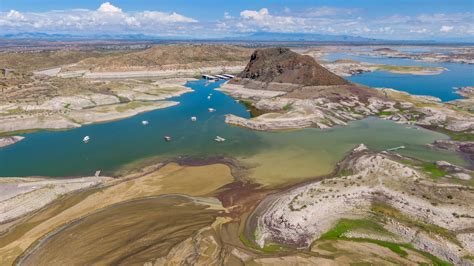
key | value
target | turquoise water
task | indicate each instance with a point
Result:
(113, 144)
(441, 86)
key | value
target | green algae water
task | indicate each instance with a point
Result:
(291, 155)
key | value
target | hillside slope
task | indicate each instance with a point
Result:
(170, 57)
(285, 66)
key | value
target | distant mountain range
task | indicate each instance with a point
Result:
(310, 37)
(256, 36)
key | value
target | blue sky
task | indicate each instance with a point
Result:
(402, 19)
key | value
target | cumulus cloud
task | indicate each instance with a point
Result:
(109, 18)
(106, 18)
(15, 15)
(256, 15)
(107, 7)
(155, 16)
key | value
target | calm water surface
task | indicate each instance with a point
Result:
(284, 155)
(441, 86)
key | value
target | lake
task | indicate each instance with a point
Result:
(441, 86)
(291, 155)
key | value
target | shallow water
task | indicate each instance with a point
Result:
(275, 156)
(441, 86)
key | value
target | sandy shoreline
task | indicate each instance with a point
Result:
(66, 112)
(30, 194)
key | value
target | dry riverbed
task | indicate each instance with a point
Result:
(150, 181)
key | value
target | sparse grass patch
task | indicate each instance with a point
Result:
(345, 225)
(15, 111)
(459, 136)
(407, 69)
(383, 210)
(345, 172)
(433, 170)
(254, 112)
(384, 113)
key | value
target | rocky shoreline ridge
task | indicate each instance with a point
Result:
(78, 89)
(286, 112)
(62, 112)
(165, 73)
(369, 184)
(345, 68)
(6, 141)
(24, 195)
(462, 55)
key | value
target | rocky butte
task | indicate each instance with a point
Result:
(294, 91)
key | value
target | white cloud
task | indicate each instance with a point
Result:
(107, 7)
(227, 15)
(419, 30)
(165, 17)
(445, 28)
(15, 15)
(106, 18)
(328, 11)
(256, 15)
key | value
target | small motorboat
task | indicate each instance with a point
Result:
(145, 122)
(211, 110)
(219, 139)
(86, 139)
(167, 138)
(193, 118)
(208, 97)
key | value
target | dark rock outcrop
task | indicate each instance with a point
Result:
(281, 65)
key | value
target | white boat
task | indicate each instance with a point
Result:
(144, 122)
(219, 139)
(193, 118)
(208, 97)
(86, 139)
(211, 110)
(167, 138)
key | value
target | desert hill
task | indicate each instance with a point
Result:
(285, 66)
(170, 57)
